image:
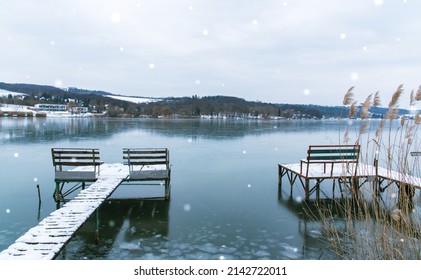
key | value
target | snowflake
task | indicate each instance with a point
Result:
(378, 2)
(151, 65)
(58, 83)
(306, 92)
(187, 207)
(205, 32)
(342, 36)
(116, 17)
(354, 76)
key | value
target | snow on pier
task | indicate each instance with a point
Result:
(311, 179)
(46, 240)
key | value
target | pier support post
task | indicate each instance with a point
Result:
(97, 225)
(307, 189)
(167, 189)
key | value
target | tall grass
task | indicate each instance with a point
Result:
(378, 223)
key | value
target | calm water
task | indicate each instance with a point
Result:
(224, 196)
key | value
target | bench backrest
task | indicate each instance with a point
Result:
(146, 156)
(322, 153)
(75, 157)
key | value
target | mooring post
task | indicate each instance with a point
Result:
(39, 194)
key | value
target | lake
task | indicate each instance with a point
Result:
(225, 202)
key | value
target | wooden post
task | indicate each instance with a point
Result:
(307, 189)
(57, 192)
(167, 189)
(97, 225)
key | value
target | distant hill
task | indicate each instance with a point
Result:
(193, 106)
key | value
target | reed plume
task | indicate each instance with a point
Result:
(395, 98)
(418, 95)
(352, 109)
(365, 107)
(349, 97)
(376, 100)
(417, 118)
(412, 99)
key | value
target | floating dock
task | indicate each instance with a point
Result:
(46, 240)
(344, 177)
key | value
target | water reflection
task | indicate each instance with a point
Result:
(126, 227)
(40, 130)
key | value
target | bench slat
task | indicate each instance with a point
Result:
(83, 152)
(333, 157)
(145, 157)
(332, 151)
(136, 151)
(79, 163)
(146, 162)
(76, 157)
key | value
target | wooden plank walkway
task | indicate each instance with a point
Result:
(339, 173)
(46, 240)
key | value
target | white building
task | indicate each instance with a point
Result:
(50, 107)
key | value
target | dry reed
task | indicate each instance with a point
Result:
(378, 226)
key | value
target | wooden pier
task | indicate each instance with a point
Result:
(47, 239)
(347, 176)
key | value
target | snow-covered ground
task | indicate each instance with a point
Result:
(5, 93)
(14, 108)
(133, 99)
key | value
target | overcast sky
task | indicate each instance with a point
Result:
(296, 51)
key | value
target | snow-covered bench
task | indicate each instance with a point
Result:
(330, 154)
(74, 165)
(147, 163)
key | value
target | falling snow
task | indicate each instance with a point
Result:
(354, 76)
(116, 17)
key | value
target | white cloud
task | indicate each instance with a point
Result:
(266, 50)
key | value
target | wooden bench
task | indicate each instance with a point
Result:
(147, 163)
(330, 154)
(65, 159)
(74, 165)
